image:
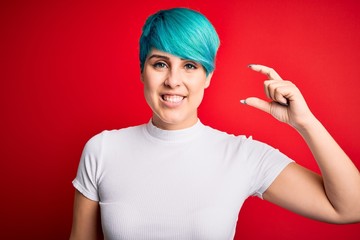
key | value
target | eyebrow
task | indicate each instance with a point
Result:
(158, 56)
(162, 56)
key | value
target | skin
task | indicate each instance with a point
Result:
(85, 218)
(333, 196)
(166, 76)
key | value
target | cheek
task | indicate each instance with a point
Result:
(152, 81)
(148, 92)
(199, 86)
(198, 92)
(149, 83)
(150, 89)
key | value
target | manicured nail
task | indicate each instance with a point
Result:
(243, 101)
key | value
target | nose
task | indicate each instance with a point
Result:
(173, 79)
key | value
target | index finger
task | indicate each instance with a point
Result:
(271, 73)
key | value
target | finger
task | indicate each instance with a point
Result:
(270, 87)
(257, 103)
(271, 73)
(279, 98)
(276, 90)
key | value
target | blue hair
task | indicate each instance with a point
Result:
(182, 32)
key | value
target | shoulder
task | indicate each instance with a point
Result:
(122, 132)
(218, 135)
(246, 143)
(109, 137)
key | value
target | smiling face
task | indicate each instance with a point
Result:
(174, 89)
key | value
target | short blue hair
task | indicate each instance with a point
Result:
(182, 32)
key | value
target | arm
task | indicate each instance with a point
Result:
(85, 218)
(335, 195)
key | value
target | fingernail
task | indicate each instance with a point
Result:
(251, 65)
(243, 101)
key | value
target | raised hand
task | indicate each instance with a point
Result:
(287, 105)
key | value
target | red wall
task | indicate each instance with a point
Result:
(69, 69)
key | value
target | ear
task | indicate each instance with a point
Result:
(208, 80)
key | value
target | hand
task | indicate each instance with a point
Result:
(287, 105)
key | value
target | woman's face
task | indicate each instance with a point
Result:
(174, 89)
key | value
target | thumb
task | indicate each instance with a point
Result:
(257, 103)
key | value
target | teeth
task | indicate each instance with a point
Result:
(173, 98)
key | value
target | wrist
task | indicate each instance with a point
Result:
(308, 125)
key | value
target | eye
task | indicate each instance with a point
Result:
(190, 66)
(159, 65)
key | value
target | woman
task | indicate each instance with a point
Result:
(174, 178)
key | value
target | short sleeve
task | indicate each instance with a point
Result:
(86, 180)
(266, 164)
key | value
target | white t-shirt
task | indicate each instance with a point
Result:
(182, 184)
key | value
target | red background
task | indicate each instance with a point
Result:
(70, 69)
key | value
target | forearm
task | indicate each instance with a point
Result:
(340, 176)
(339, 187)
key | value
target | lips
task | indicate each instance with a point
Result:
(172, 98)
